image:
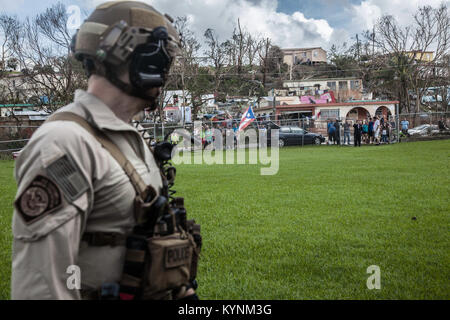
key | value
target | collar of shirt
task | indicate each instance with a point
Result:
(96, 112)
(102, 116)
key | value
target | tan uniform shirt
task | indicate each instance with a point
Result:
(68, 184)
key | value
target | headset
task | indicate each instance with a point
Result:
(150, 62)
(145, 49)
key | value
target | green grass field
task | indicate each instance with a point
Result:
(311, 231)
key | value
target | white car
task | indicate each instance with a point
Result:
(423, 130)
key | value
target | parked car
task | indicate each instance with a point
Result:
(289, 136)
(423, 130)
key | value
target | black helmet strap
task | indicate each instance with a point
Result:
(129, 89)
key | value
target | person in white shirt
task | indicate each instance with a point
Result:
(376, 129)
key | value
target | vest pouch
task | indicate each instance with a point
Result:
(143, 210)
(169, 263)
(194, 230)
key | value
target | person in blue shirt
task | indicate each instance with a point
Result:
(405, 124)
(331, 132)
(365, 132)
(371, 122)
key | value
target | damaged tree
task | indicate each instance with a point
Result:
(189, 73)
(41, 46)
(404, 51)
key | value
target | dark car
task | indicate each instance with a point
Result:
(289, 136)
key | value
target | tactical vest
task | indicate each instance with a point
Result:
(163, 249)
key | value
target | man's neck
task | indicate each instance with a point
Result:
(125, 107)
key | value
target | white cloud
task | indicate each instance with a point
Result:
(365, 14)
(258, 17)
(286, 30)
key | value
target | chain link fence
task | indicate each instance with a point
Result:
(419, 126)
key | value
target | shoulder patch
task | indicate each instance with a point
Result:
(39, 199)
(68, 177)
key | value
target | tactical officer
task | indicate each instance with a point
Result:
(75, 202)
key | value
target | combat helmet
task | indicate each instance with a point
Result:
(127, 34)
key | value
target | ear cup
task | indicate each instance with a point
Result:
(149, 65)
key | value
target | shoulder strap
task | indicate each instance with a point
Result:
(139, 185)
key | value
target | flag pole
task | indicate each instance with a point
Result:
(256, 118)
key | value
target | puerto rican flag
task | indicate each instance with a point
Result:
(317, 116)
(247, 118)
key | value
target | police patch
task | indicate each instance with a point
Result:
(177, 256)
(39, 199)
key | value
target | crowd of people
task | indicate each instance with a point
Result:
(228, 129)
(374, 130)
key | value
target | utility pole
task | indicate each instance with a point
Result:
(397, 125)
(357, 47)
(183, 104)
(274, 108)
(373, 41)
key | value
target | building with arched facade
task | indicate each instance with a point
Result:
(346, 110)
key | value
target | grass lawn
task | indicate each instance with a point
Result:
(312, 230)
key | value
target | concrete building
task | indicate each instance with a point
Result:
(16, 86)
(178, 105)
(295, 56)
(343, 88)
(324, 111)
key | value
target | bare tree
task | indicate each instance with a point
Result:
(253, 46)
(41, 45)
(7, 26)
(188, 74)
(216, 54)
(240, 43)
(242, 49)
(7, 61)
(264, 59)
(405, 50)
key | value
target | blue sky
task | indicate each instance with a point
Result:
(318, 9)
(289, 23)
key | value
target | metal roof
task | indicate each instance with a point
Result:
(16, 105)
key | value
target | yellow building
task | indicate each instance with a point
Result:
(424, 56)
